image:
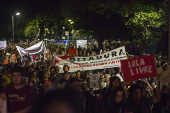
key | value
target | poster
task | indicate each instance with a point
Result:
(3, 45)
(81, 43)
(138, 68)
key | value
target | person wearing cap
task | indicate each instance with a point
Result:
(19, 96)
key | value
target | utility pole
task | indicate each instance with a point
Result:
(13, 25)
(13, 31)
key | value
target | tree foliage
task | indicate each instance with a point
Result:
(144, 20)
(140, 20)
(32, 29)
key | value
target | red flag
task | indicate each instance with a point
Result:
(61, 57)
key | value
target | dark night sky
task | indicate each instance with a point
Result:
(31, 8)
(28, 7)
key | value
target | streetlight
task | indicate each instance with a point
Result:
(13, 31)
(69, 20)
(18, 13)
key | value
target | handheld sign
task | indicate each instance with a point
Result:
(138, 68)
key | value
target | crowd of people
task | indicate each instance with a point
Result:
(29, 87)
(94, 48)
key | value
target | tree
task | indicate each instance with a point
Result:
(140, 20)
(32, 29)
(41, 27)
(97, 16)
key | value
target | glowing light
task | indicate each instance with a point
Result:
(18, 13)
(70, 20)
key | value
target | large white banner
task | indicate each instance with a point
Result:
(33, 50)
(3, 45)
(107, 60)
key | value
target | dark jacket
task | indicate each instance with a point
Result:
(142, 107)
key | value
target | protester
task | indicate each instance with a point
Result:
(19, 96)
(113, 84)
(47, 82)
(54, 73)
(87, 102)
(118, 74)
(6, 77)
(73, 75)
(72, 51)
(3, 102)
(136, 101)
(103, 90)
(59, 101)
(78, 76)
(102, 82)
(66, 69)
(34, 81)
(115, 102)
